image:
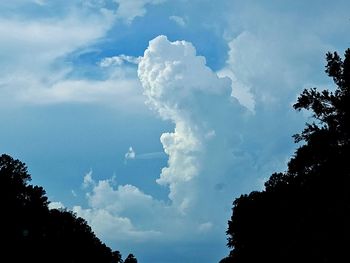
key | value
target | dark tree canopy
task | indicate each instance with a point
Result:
(303, 213)
(117, 257)
(31, 232)
(130, 259)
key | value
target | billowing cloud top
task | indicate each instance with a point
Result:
(172, 74)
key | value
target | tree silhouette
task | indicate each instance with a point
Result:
(31, 232)
(117, 257)
(24, 209)
(130, 259)
(303, 213)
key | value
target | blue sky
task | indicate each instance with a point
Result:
(148, 117)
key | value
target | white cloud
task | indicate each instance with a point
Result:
(113, 227)
(269, 62)
(88, 181)
(130, 154)
(178, 85)
(169, 69)
(214, 142)
(119, 91)
(56, 205)
(119, 60)
(43, 41)
(122, 213)
(178, 20)
(128, 10)
(240, 91)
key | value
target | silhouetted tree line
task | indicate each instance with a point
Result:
(303, 213)
(31, 232)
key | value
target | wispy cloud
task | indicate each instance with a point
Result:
(151, 155)
(74, 194)
(40, 2)
(178, 20)
(88, 181)
(119, 60)
(128, 10)
(131, 155)
(109, 91)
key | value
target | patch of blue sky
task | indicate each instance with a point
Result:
(63, 142)
(132, 38)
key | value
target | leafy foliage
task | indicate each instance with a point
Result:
(303, 214)
(31, 232)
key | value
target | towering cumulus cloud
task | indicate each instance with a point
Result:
(214, 155)
(181, 88)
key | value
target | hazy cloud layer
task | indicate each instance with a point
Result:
(119, 60)
(178, 20)
(128, 10)
(36, 66)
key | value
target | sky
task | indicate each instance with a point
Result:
(149, 117)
